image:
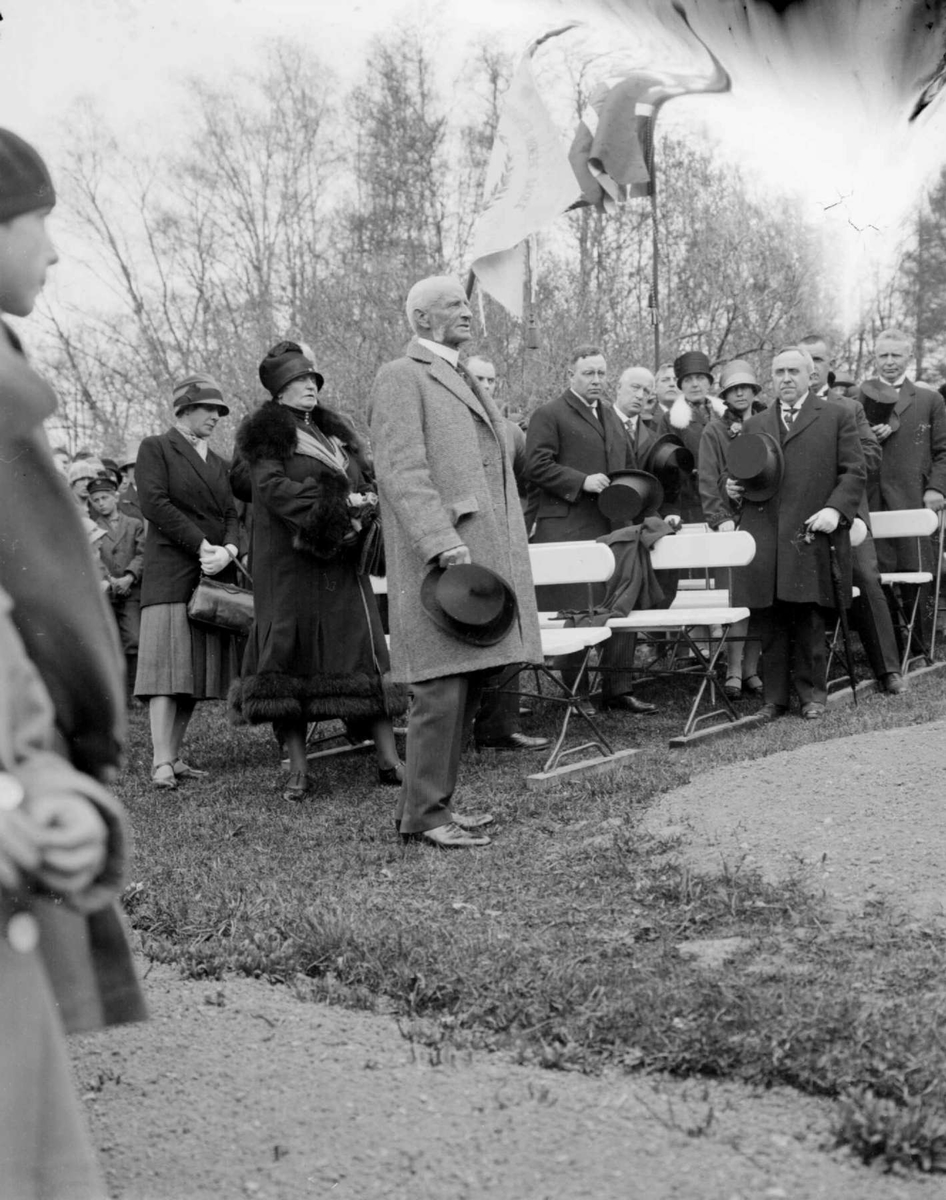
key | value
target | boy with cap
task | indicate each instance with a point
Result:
(120, 548)
(63, 626)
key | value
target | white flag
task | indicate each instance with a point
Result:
(529, 182)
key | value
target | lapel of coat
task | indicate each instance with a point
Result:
(469, 394)
(585, 413)
(202, 470)
(906, 397)
(810, 412)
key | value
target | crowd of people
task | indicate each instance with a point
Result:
(99, 558)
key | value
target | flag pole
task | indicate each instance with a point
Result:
(653, 299)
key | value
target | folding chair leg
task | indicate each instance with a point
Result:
(939, 581)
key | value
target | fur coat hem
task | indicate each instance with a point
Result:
(271, 696)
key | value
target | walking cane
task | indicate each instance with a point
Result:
(939, 580)
(839, 597)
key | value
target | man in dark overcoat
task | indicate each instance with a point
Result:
(573, 445)
(788, 583)
(448, 497)
(909, 420)
(870, 614)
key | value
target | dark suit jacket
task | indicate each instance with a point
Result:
(913, 459)
(184, 500)
(824, 467)
(564, 444)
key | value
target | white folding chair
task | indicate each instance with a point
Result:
(916, 523)
(571, 562)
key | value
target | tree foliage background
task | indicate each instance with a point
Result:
(294, 208)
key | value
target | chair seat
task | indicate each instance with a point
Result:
(890, 577)
(571, 641)
(678, 618)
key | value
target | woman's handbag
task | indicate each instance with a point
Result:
(223, 606)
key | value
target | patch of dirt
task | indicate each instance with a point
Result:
(243, 1089)
(240, 1089)
(860, 819)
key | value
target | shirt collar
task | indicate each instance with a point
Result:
(450, 353)
(798, 403)
(897, 384)
(592, 404)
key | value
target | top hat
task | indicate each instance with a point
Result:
(631, 496)
(755, 461)
(693, 362)
(668, 453)
(735, 373)
(470, 602)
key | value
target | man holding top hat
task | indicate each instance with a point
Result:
(798, 472)
(460, 595)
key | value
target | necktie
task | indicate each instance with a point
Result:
(788, 415)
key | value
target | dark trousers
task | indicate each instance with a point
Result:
(127, 610)
(438, 728)
(870, 614)
(794, 651)
(498, 713)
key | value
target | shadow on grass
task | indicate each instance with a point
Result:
(560, 940)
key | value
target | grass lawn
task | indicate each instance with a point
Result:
(559, 939)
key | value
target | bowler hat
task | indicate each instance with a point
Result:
(693, 362)
(668, 453)
(631, 496)
(198, 389)
(285, 362)
(470, 602)
(102, 484)
(755, 461)
(735, 373)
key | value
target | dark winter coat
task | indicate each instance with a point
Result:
(824, 468)
(316, 649)
(711, 464)
(184, 500)
(913, 460)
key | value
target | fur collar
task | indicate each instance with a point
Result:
(270, 432)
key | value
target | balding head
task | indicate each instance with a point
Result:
(635, 388)
(438, 309)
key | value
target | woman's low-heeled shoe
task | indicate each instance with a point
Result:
(184, 770)
(166, 779)
(753, 685)
(297, 786)
(391, 776)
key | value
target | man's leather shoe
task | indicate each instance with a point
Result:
(515, 741)
(472, 820)
(631, 704)
(894, 683)
(770, 712)
(449, 837)
(812, 711)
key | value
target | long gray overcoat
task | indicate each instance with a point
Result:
(913, 459)
(444, 477)
(824, 468)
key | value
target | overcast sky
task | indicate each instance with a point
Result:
(826, 125)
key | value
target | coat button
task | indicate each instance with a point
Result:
(23, 932)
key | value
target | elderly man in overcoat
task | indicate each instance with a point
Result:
(909, 420)
(448, 496)
(789, 580)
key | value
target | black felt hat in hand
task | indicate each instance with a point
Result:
(755, 461)
(470, 602)
(630, 497)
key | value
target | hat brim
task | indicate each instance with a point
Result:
(487, 633)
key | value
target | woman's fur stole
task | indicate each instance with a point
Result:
(270, 433)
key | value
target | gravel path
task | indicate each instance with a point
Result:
(242, 1089)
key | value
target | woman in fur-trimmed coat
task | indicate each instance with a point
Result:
(317, 648)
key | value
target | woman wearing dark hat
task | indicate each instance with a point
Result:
(316, 649)
(688, 417)
(192, 528)
(737, 401)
